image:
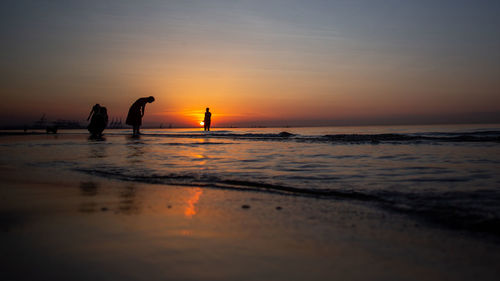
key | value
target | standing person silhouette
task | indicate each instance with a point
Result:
(207, 120)
(136, 112)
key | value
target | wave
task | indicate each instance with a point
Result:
(489, 136)
(476, 211)
(410, 138)
(217, 181)
(424, 137)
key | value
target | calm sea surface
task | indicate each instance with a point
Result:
(448, 174)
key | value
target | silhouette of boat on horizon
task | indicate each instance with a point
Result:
(53, 126)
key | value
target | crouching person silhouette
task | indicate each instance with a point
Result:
(98, 120)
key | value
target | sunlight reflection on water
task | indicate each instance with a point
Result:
(190, 210)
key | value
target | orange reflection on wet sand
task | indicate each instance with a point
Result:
(190, 210)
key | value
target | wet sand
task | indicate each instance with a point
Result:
(70, 226)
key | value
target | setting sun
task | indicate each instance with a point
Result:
(202, 123)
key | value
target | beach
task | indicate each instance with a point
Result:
(164, 208)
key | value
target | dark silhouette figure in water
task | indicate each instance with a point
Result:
(136, 112)
(98, 120)
(207, 120)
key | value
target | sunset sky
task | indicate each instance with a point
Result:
(253, 62)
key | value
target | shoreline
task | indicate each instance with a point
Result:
(79, 226)
(58, 222)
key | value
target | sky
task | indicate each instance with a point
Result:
(254, 63)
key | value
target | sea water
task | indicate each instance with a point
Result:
(445, 174)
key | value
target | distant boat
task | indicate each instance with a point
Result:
(169, 126)
(52, 127)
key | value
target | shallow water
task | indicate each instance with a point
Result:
(445, 174)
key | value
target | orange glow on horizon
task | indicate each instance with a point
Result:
(263, 73)
(194, 118)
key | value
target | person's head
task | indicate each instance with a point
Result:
(151, 99)
(208, 109)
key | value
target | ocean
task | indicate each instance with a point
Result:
(445, 175)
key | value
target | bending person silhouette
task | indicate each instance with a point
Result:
(207, 120)
(98, 120)
(136, 112)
